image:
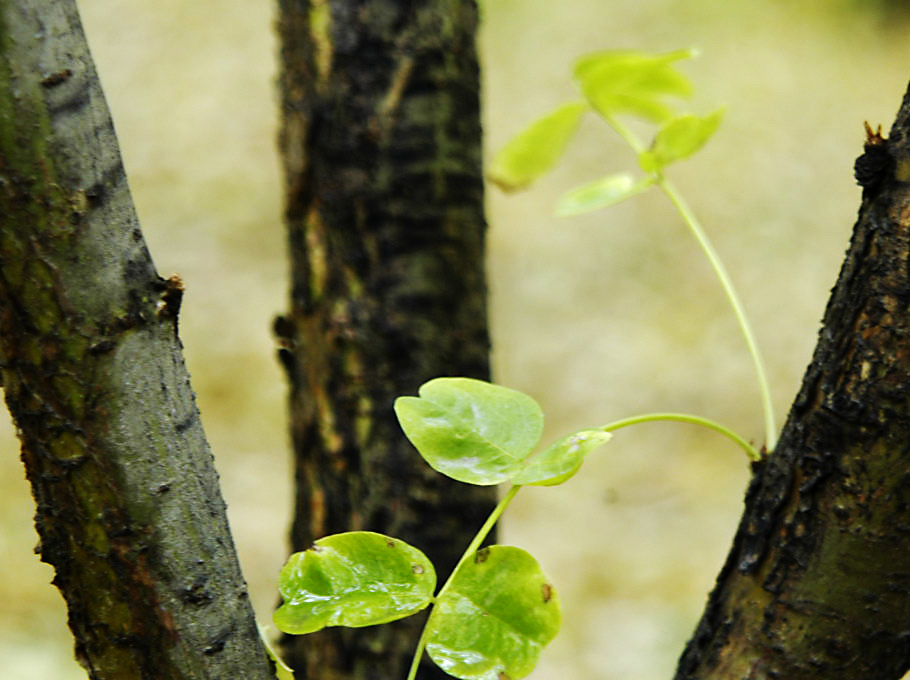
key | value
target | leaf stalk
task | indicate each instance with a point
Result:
(472, 548)
(720, 271)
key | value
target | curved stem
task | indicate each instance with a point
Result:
(726, 283)
(472, 548)
(738, 310)
(686, 418)
(484, 530)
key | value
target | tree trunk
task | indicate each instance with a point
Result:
(817, 584)
(382, 160)
(128, 507)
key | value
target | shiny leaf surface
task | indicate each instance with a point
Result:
(560, 461)
(355, 579)
(499, 611)
(471, 430)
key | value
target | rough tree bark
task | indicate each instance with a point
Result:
(128, 507)
(382, 160)
(817, 584)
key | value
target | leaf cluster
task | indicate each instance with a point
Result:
(614, 83)
(498, 610)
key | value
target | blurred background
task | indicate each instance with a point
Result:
(598, 317)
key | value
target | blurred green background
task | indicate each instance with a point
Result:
(597, 317)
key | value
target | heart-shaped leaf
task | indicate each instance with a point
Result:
(679, 138)
(601, 193)
(535, 150)
(471, 430)
(562, 460)
(358, 578)
(494, 618)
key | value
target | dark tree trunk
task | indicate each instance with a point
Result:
(382, 158)
(817, 584)
(128, 507)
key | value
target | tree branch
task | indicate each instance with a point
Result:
(128, 507)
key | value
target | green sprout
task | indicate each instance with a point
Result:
(495, 613)
(619, 84)
(498, 609)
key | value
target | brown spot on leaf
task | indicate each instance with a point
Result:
(547, 591)
(417, 568)
(481, 555)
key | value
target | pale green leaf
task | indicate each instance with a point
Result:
(601, 193)
(627, 61)
(536, 149)
(497, 614)
(471, 430)
(637, 83)
(355, 579)
(679, 138)
(562, 460)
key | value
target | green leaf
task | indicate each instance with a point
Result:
(561, 460)
(355, 579)
(638, 83)
(536, 149)
(471, 430)
(497, 614)
(628, 60)
(679, 138)
(601, 193)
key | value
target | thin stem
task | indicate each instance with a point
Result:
(418, 653)
(626, 133)
(726, 283)
(686, 418)
(738, 310)
(470, 550)
(484, 530)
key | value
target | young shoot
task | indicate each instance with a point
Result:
(496, 612)
(615, 85)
